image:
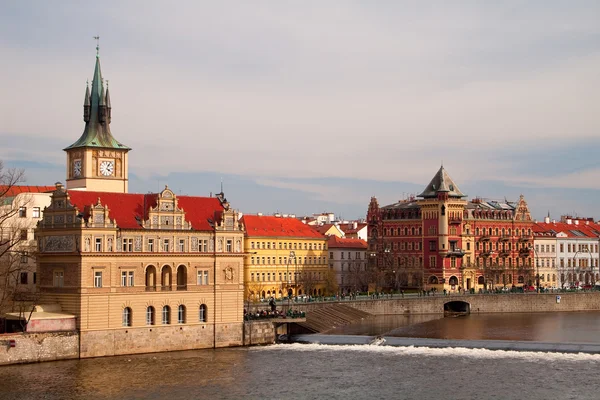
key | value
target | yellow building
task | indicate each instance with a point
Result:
(285, 257)
(141, 272)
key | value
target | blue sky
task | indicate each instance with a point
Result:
(305, 107)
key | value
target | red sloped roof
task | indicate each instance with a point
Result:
(322, 229)
(335, 242)
(352, 230)
(268, 226)
(587, 230)
(127, 208)
(15, 190)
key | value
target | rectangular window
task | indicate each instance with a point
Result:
(432, 262)
(150, 245)
(181, 245)
(58, 279)
(98, 244)
(130, 278)
(34, 278)
(251, 245)
(22, 212)
(230, 245)
(36, 212)
(468, 245)
(97, 279)
(123, 278)
(432, 245)
(206, 277)
(166, 245)
(562, 248)
(23, 234)
(128, 245)
(23, 278)
(23, 258)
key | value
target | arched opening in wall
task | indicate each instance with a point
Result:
(403, 279)
(165, 278)
(181, 277)
(166, 315)
(481, 280)
(150, 278)
(150, 316)
(453, 280)
(521, 279)
(433, 280)
(181, 317)
(280, 294)
(202, 313)
(300, 292)
(314, 292)
(127, 316)
(454, 308)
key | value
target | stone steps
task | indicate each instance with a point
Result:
(332, 316)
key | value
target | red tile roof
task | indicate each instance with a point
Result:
(127, 208)
(346, 230)
(268, 226)
(322, 229)
(591, 230)
(335, 242)
(6, 191)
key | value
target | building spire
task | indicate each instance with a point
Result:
(97, 38)
(97, 121)
(86, 102)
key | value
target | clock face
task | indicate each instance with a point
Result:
(77, 168)
(107, 168)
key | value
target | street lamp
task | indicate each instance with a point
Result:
(287, 274)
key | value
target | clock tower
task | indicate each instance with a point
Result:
(97, 161)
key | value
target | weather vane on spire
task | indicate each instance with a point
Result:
(97, 39)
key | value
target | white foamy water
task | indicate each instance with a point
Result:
(437, 352)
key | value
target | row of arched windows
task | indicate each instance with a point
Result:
(165, 316)
(504, 232)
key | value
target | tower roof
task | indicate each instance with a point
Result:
(97, 129)
(442, 183)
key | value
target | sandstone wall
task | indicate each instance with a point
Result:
(35, 347)
(259, 332)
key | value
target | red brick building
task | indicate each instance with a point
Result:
(440, 240)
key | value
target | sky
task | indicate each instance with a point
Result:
(307, 107)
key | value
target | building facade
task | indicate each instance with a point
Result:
(141, 272)
(440, 240)
(285, 257)
(347, 258)
(20, 210)
(568, 249)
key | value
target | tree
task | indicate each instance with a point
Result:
(15, 250)
(331, 286)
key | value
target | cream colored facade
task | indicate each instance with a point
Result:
(18, 264)
(159, 287)
(276, 265)
(90, 161)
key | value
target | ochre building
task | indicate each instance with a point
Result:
(440, 240)
(285, 257)
(141, 272)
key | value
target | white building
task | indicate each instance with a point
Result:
(347, 257)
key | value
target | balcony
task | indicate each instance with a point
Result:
(455, 221)
(525, 238)
(504, 253)
(504, 238)
(484, 238)
(455, 253)
(150, 288)
(524, 252)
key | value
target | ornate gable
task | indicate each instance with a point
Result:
(522, 211)
(166, 214)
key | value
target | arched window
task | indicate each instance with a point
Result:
(521, 279)
(150, 316)
(453, 280)
(127, 316)
(181, 314)
(480, 280)
(150, 278)
(166, 315)
(433, 280)
(181, 278)
(202, 313)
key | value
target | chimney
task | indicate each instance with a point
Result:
(576, 221)
(355, 225)
(547, 220)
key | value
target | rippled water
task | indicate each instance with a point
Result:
(311, 372)
(300, 371)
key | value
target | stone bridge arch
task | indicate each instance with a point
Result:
(457, 307)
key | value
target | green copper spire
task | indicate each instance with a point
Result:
(97, 122)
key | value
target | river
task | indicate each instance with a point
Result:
(312, 371)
